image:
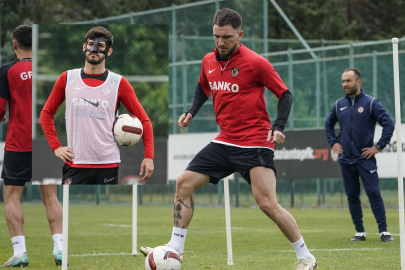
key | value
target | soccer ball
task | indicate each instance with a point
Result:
(163, 258)
(127, 130)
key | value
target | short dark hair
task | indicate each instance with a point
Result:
(100, 31)
(226, 16)
(356, 72)
(23, 35)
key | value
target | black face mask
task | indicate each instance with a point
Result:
(95, 46)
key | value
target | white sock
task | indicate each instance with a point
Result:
(57, 243)
(302, 250)
(178, 239)
(19, 245)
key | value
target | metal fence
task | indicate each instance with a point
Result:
(314, 81)
(313, 76)
(140, 54)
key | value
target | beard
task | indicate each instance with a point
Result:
(228, 54)
(93, 61)
(352, 90)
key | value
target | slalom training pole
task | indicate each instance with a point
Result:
(399, 151)
(228, 221)
(134, 219)
(65, 226)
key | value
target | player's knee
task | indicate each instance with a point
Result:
(374, 194)
(48, 198)
(12, 197)
(183, 185)
(270, 209)
(353, 196)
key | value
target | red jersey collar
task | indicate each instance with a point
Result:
(232, 54)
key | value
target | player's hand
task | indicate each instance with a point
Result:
(338, 148)
(368, 152)
(184, 121)
(277, 137)
(64, 153)
(147, 167)
(3, 119)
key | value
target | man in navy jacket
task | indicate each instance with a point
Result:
(357, 114)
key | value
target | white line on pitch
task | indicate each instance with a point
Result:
(345, 249)
(117, 225)
(99, 254)
(340, 249)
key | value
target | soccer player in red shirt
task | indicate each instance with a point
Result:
(16, 88)
(93, 95)
(236, 77)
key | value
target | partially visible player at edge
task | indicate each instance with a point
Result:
(16, 88)
(93, 95)
(236, 77)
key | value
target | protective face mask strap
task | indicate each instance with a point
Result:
(95, 46)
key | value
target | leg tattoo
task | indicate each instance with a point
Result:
(181, 201)
(192, 205)
(182, 212)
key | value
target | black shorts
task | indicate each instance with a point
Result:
(89, 176)
(17, 168)
(219, 160)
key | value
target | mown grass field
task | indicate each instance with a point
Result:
(100, 237)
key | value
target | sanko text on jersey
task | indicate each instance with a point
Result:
(226, 86)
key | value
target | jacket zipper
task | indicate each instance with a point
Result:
(222, 69)
(351, 112)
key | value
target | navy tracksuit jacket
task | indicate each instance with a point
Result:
(357, 120)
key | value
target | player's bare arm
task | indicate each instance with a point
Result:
(337, 147)
(184, 120)
(368, 152)
(64, 153)
(147, 166)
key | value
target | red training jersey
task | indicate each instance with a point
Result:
(237, 89)
(126, 95)
(16, 87)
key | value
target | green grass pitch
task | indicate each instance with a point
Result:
(100, 237)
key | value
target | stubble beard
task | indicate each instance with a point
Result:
(94, 62)
(228, 54)
(353, 90)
